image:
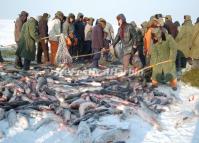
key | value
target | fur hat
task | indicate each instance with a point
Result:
(122, 17)
(187, 18)
(24, 13)
(168, 17)
(59, 14)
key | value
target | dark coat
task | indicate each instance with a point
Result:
(183, 38)
(171, 28)
(79, 30)
(29, 36)
(97, 37)
(43, 28)
(129, 38)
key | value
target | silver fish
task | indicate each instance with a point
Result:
(2, 114)
(2, 134)
(85, 106)
(12, 117)
(149, 116)
(7, 94)
(66, 115)
(41, 81)
(75, 104)
(84, 133)
(113, 135)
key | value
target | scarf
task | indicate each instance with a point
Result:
(123, 26)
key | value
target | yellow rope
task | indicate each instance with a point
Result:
(86, 55)
(151, 66)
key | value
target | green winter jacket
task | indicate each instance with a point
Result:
(183, 38)
(28, 37)
(163, 51)
(195, 43)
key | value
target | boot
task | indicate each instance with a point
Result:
(154, 83)
(173, 84)
(18, 63)
(1, 59)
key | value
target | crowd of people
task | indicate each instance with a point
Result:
(157, 40)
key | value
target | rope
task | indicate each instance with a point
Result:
(149, 67)
(86, 55)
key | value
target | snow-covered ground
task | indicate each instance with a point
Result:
(140, 131)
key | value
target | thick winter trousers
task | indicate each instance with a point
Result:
(42, 48)
(54, 48)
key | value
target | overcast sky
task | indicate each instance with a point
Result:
(138, 10)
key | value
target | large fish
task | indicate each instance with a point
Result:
(84, 133)
(113, 135)
(41, 81)
(2, 134)
(76, 104)
(149, 116)
(66, 115)
(12, 117)
(7, 94)
(85, 106)
(118, 51)
(2, 114)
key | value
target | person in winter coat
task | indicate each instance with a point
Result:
(194, 53)
(127, 35)
(197, 21)
(139, 43)
(54, 31)
(153, 23)
(88, 36)
(69, 32)
(170, 26)
(43, 44)
(164, 49)
(79, 32)
(18, 26)
(98, 41)
(184, 42)
(1, 58)
(110, 32)
(68, 25)
(28, 39)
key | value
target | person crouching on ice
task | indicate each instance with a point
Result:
(164, 49)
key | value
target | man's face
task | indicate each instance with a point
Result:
(81, 19)
(23, 18)
(71, 20)
(157, 36)
(61, 18)
(120, 22)
(103, 24)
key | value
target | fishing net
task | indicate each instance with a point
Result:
(63, 56)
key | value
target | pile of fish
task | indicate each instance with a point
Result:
(75, 99)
